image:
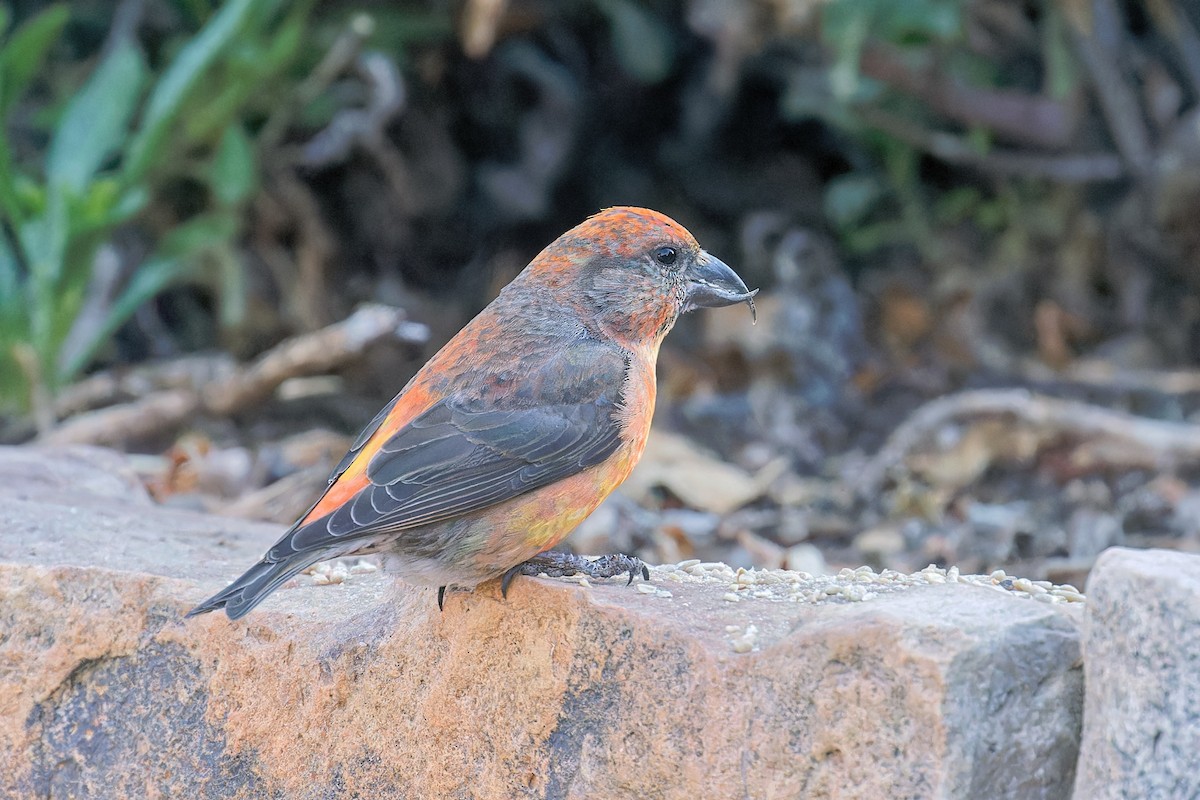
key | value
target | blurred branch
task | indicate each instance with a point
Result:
(309, 354)
(305, 303)
(1085, 168)
(114, 426)
(361, 126)
(1019, 117)
(1095, 40)
(480, 22)
(312, 354)
(1103, 375)
(349, 128)
(341, 55)
(116, 386)
(1175, 24)
(1140, 440)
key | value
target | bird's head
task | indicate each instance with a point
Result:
(634, 271)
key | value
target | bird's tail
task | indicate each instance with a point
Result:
(255, 584)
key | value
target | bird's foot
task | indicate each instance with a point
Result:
(441, 598)
(558, 565)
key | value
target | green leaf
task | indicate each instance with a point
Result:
(22, 55)
(956, 205)
(1062, 73)
(850, 198)
(44, 241)
(979, 139)
(197, 234)
(94, 208)
(869, 238)
(178, 81)
(95, 122)
(231, 286)
(165, 266)
(919, 21)
(131, 202)
(257, 58)
(234, 172)
(285, 41)
(643, 44)
(844, 29)
(220, 111)
(10, 203)
(10, 281)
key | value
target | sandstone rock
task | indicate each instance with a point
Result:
(1141, 733)
(362, 689)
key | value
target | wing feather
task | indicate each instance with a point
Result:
(458, 456)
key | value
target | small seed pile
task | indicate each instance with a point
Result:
(849, 585)
(327, 572)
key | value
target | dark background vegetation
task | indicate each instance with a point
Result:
(975, 224)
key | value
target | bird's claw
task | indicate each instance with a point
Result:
(559, 565)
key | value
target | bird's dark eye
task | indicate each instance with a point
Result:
(666, 256)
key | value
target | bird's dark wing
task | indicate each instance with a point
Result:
(462, 455)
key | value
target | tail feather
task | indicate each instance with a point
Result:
(255, 584)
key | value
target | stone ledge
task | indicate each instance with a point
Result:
(560, 691)
(1141, 736)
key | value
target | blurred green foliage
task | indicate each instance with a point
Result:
(882, 202)
(885, 199)
(643, 42)
(113, 146)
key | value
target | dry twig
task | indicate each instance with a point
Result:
(1095, 41)
(1020, 117)
(1103, 375)
(125, 385)
(308, 354)
(1064, 168)
(1137, 439)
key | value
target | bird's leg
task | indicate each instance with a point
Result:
(557, 565)
(441, 598)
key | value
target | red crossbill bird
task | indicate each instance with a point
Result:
(519, 427)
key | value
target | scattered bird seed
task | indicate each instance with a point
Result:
(849, 585)
(746, 642)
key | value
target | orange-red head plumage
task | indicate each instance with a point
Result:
(628, 273)
(617, 232)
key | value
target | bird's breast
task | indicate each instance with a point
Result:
(637, 410)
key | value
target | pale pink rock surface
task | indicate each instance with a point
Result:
(1141, 732)
(562, 691)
